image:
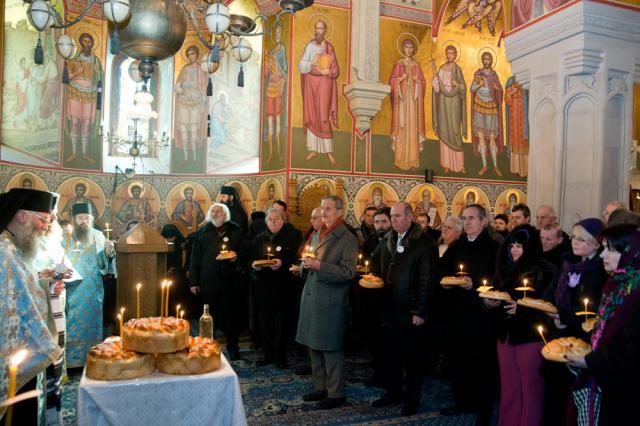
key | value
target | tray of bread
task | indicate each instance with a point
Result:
(109, 361)
(265, 262)
(588, 325)
(202, 356)
(458, 280)
(371, 281)
(556, 349)
(226, 255)
(495, 295)
(539, 304)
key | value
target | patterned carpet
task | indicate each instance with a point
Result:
(272, 396)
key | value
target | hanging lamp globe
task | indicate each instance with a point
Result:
(217, 18)
(242, 50)
(116, 11)
(155, 31)
(40, 15)
(66, 47)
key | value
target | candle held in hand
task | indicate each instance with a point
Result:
(15, 361)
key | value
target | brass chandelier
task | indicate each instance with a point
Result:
(153, 30)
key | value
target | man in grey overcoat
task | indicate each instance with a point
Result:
(325, 302)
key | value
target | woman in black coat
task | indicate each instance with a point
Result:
(270, 284)
(610, 374)
(522, 385)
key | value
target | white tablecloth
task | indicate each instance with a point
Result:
(163, 399)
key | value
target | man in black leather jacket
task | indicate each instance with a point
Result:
(405, 259)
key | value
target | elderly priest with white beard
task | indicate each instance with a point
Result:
(94, 258)
(27, 322)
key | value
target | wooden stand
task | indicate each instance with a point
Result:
(141, 258)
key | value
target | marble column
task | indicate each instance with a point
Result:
(365, 92)
(579, 64)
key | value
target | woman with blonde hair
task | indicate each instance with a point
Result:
(578, 282)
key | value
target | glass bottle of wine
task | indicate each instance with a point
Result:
(206, 323)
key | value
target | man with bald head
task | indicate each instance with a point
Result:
(545, 215)
(406, 260)
(610, 208)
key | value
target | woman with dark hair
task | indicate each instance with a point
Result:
(521, 384)
(578, 282)
(606, 391)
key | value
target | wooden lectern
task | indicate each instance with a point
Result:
(141, 258)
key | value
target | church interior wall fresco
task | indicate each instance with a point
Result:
(259, 137)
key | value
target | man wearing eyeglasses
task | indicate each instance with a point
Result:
(27, 322)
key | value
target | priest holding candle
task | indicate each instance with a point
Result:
(85, 297)
(27, 322)
(219, 282)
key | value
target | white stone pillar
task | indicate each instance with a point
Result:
(579, 64)
(365, 92)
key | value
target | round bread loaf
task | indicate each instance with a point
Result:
(155, 335)
(108, 361)
(202, 357)
(453, 281)
(371, 281)
(539, 304)
(495, 295)
(556, 349)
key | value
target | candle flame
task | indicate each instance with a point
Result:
(138, 287)
(18, 357)
(461, 266)
(484, 282)
(540, 329)
(586, 301)
(181, 314)
(122, 311)
(366, 262)
(169, 283)
(119, 317)
(525, 281)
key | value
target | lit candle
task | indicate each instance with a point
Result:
(181, 314)
(586, 311)
(366, 266)
(484, 283)
(268, 252)
(138, 287)
(223, 246)
(177, 311)
(16, 359)
(166, 300)
(525, 282)
(66, 247)
(540, 330)
(461, 268)
(164, 284)
(360, 259)
(120, 321)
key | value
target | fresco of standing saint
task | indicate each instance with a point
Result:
(407, 108)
